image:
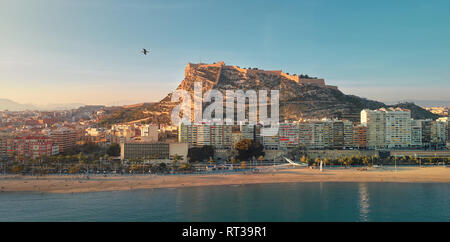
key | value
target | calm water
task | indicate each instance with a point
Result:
(269, 202)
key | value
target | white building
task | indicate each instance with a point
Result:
(375, 121)
(398, 128)
(387, 128)
(219, 136)
(150, 131)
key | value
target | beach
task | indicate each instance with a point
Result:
(79, 183)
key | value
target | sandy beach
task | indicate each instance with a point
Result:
(76, 184)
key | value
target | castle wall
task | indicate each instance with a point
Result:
(221, 65)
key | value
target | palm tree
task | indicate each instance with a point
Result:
(366, 161)
(304, 159)
(260, 159)
(16, 169)
(233, 161)
(175, 161)
(316, 161)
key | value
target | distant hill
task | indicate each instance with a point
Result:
(7, 104)
(300, 96)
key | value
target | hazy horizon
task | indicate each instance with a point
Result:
(89, 51)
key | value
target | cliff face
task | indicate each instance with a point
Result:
(300, 97)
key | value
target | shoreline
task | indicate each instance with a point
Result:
(79, 184)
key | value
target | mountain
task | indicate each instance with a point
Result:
(6, 104)
(430, 103)
(301, 96)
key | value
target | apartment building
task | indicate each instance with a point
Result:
(289, 135)
(3, 147)
(416, 133)
(31, 147)
(150, 131)
(398, 128)
(438, 133)
(426, 132)
(248, 131)
(375, 121)
(359, 137)
(64, 137)
(348, 134)
(219, 136)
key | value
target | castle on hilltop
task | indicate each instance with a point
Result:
(301, 79)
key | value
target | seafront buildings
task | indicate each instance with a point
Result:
(32, 147)
(416, 134)
(398, 128)
(64, 137)
(219, 136)
(35, 134)
(164, 152)
(150, 131)
(375, 121)
(384, 128)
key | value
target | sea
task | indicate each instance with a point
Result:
(326, 201)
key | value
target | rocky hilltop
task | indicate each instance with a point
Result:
(301, 96)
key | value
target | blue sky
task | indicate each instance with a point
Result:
(58, 51)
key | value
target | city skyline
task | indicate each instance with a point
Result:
(88, 52)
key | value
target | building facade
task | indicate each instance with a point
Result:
(289, 135)
(219, 136)
(375, 121)
(398, 128)
(150, 131)
(65, 138)
(31, 147)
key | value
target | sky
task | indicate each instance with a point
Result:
(88, 51)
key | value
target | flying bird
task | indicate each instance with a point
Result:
(145, 51)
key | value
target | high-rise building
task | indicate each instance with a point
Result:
(248, 131)
(348, 134)
(64, 137)
(398, 128)
(438, 133)
(416, 133)
(312, 134)
(426, 133)
(306, 133)
(219, 136)
(359, 136)
(387, 128)
(318, 135)
(289, 135)
(328, 133)
(375, 121)
(338, 134)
